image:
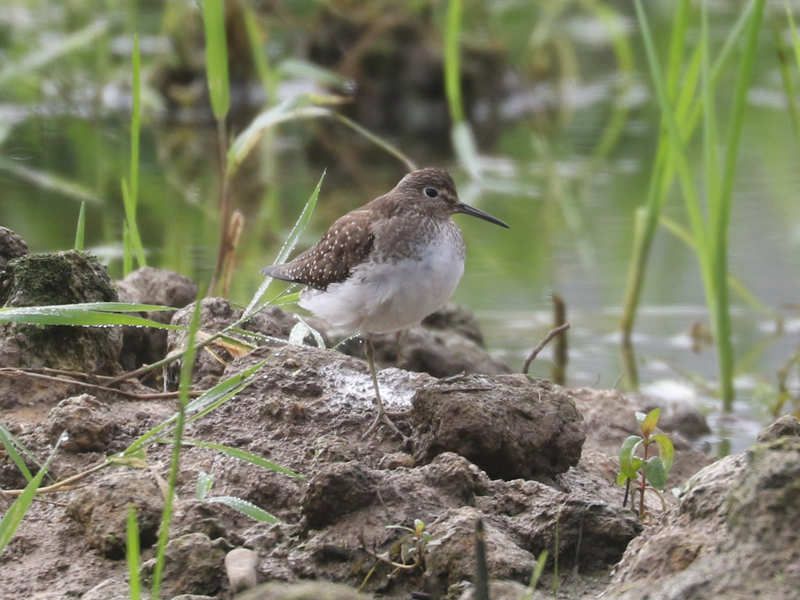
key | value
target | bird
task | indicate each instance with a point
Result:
(385, 266)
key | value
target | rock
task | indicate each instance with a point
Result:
(215, 315)
(452, 559)
(47, 279)
(147, 285)
(508, 425)
(458, 319)
(193, 565)
(11, 246)
(88, 422)
(733, 535)
(303, 590)
(785, 425)
(503, 590)
(340, 489)
(240, 566)
(108, 589)
(448, 343)
(102, 511)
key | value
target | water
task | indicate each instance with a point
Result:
(571, 218)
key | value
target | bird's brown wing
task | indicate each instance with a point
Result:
(345, 245)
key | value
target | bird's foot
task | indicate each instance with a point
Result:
(382, 417)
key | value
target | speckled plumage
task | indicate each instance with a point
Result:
(390, 263)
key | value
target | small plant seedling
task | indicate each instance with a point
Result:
(649, 470)
(406, 554)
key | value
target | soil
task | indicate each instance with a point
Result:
(534, 462)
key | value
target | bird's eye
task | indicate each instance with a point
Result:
(431, 192)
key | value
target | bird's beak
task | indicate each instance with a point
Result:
(469, 210)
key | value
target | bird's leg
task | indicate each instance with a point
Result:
(382, 416)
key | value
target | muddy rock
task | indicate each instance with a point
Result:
(11, 246)
(447, 343)
(193, 565)
(102, 510)
(339, 489)
(785, 425)
(302, 590)
(108, 589)
(89, 423)
(215, 315)
(508, 425)
(733, 534)
(452, 559)
(503, 590)
(147, 285)
(45, 279)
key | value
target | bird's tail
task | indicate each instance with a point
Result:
(277, 271)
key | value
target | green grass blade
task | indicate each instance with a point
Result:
(721, 219)
(183, 400)
(77, 315)
(678, 152)
(710, 141)
(53, 51)
(245, 456)
(20, 506)
(136, 125)
(452, 61)
(538, 569)
(50, 182)
(793, 30)
(200, 406)
(289, 244)
(216, 57)
(246, 508)
(133, 554)
(127, 249)
(10, 444)
(267, 75)
(133, 244)
(786, 79)
(80, 229)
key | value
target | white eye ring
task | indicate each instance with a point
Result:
(431, 192)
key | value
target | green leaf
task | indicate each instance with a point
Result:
(202, 405)
(538, 569)
(650, 421)
(452, 61)
(86, 315)
(244, 455)
(133, 554)
(10, 444)
(289, 244)
(655, 473)
(216, 57)
(204, 484)
(17, 510)
(665, 450)
(246, 508)
(80, 229)
(291, 109)
(622, 479)
(626, 456)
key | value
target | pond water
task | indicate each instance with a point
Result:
(571, 216)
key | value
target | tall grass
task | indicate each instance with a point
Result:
(709, 231)
(183, 400)
(219, 93)
(132, 241)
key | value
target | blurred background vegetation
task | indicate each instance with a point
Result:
(554, 127)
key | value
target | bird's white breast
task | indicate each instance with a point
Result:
(387, 296)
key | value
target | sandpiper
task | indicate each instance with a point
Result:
(385, 266)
